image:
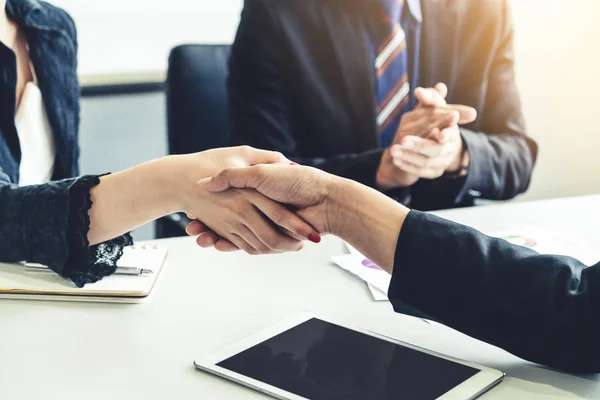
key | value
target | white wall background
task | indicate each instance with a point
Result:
(558, 71)
(133, 36)
(557, 50)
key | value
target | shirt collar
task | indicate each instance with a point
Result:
(414, 7)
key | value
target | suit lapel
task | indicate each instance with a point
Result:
(351, 52)
(438, 41)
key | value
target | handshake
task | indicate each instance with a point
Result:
(257, 201)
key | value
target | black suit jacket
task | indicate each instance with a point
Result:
(541, 308)
(302, 82)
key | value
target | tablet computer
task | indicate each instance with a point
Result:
(311, 357)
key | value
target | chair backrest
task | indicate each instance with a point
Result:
(197, 97)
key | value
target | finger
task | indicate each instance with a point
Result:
(207, 239)
(241, 243)
(190, 216)
(434, 135)
(426, 173)
(426, 147)
(450, 134)
(466, 114)
(256, 156)
(420, 161)
(290, 234)
(284, 218)
(400, 156)
(442, 89)
(440, 119)
(424, 120)
(196, 228)
(270, 237)
(241, 178)
(415, 159)
(247, 234)
(429, 97)
(225, 246)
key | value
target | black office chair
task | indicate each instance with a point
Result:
(196, 109)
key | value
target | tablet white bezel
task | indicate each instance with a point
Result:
(471, 388)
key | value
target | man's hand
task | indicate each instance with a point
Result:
(429, 158)
(238, 219)
(304, 188)
(428, 141)
(328, 203)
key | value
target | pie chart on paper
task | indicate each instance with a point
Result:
(370, 264)
(521, 240)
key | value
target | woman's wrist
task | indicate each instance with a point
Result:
(127, 199)
(176, 178)
(168, 182)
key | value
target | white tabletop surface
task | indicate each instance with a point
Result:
(206, 300)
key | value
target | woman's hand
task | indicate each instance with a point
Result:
(127, 199)
(211, 162)
(367, 219)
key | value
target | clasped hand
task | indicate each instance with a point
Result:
(428, 141)
(304, 189)
(236, 218)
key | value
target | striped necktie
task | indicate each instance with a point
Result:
(391, 70)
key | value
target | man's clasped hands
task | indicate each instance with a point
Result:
(263, 203)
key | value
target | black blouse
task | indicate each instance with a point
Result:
(48, 224)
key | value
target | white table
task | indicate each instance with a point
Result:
(206, 300)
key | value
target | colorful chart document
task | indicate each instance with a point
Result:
(544, 241)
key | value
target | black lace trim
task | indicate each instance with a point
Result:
(88, 264)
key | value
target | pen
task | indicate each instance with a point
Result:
(34, 267)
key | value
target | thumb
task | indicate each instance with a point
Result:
(256, 156)
(467, 114)
(241, 178)
(429, 97)
(442, 89)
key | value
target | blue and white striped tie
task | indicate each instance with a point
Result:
(391, 70)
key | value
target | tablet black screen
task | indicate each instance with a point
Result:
(320, 360)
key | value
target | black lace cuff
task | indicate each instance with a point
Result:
(85, 263)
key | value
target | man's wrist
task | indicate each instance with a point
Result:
(367, 219)
(340, 206)
(460, 166)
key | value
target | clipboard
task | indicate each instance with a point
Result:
(17, 283)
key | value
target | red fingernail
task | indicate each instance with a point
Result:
(314, 237)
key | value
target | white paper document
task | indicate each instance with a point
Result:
(358, 265)
(547, 241)
(544, 241)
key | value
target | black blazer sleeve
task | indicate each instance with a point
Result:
(541, 308)
(502, 156)
(259, 98)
